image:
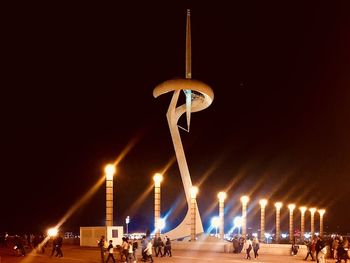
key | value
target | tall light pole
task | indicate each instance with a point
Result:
(291, 208)
(321, 212)
(215, 222)
(302, 216)
(244, 201)
(221, 196)
(312, 212)
(193, 192)
(157, 178)
(127, 221)
(263, 203)
(278, 206)
(109, 171)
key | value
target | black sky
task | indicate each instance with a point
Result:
(77, 84)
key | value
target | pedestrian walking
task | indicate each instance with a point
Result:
(144, 243)
(54, 242)
(101, 245)
(158, 244)
(311, 250)
(167, 248)
(19, 247)
(135, 246)
(110, 251)
(59, 243)
(148, 251)
(256, 247)
(320, 250)
(125, 247)
(248, 247)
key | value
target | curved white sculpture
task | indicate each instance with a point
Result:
(198, 97)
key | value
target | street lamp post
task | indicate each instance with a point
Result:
(263, 203)
(157, 178)
(244, 201)
(109, 171)
(193, 192)
(321, 212)
(312, 212)
(302, 227)
(215, 222)
(278, 206)
(291, 208)
(127, 221)
(221, 196)
(237, 223)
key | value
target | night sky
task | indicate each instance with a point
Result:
(76, 89)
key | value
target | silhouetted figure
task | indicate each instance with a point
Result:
(101, 245)
(144, 243)
(59, 242)
(256, 247)
(54, 242)
(110, 251)
(311, 250)
(248, 247)
(19, 247)
(167, 248)
(148, 251)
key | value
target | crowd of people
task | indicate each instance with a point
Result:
(246, 245)
(127, 251)
(21, 243)
(338, 245)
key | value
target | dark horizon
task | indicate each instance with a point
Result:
(77, 89)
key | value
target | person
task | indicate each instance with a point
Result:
(19, 247)
(256, 247)
(58, 246)
(343, 250)
(241, 241)
(310, 250)
(335, 245)
(294, 249)
(248, 247)
(235, 244)
(6, 239)
(144, 243)
(125, 247)
(320, 250)
(167, 248)
(110, 251)
(54, 243)
(135, 246)
(158, 246)
(148, 251)
(130, 252)
(101, 245)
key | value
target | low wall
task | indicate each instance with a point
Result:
(227, 247)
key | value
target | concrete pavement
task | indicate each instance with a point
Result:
(76, 254)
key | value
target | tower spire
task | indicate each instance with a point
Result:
(188, 45)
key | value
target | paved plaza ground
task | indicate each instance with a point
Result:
(76, 254)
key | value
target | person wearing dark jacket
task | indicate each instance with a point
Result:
(167, 248)
(59, 242)
(110, 251)
(101, 245)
